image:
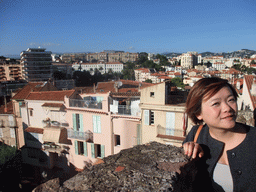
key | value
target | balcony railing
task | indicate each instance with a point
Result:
(125, 110)
(86, 136)
(85, 103)
(170, 133)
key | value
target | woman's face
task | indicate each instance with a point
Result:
(220, 110)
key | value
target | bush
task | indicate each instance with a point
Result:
(6, 153)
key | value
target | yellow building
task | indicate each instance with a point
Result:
(162, 114)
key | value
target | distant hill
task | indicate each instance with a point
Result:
(240, 53)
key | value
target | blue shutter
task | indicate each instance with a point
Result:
(85, 149)
(102, 148)
(93, 150)
(76, 147)
(81, 123)
(146, 117)
(170, 123)
(74, 121)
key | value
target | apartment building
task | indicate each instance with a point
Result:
(37, 64)
(10, 70)
(45, 129)
(163, 117)
(104, 121)
(122, 57)
(102, 67)
(18, 101)
(189, 60)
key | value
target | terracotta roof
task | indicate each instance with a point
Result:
(50, 95)
(24, 92)
(9, 109)
(35, 87)
(34, 130)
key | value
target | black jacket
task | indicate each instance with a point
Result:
(242, 159)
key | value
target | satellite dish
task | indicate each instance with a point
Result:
(119, 83)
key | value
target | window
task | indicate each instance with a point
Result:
(31, 112)
(117, 140)
(98, 150)
(149, 117)
(170, 123)
(81, 148)
(152, 94)
(96, 124)
(78, 122)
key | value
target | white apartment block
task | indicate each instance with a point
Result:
(115, 67)
(219, 66)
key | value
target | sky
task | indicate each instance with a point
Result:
(153, 26)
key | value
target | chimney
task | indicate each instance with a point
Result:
(5, 105)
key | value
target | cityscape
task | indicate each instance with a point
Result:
(63, 111)
(82, 81)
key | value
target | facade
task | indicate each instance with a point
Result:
(10, 70)
(45, 129)
(18, 101)
(8, 126)
(143, 74)
(189, 60)
(104, 121)
(37, 64)
(162, 115)
(102, 67)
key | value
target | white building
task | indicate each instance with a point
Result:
(115, 67)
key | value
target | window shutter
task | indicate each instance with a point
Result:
(99, 124)
(146, 117)
(74, 121)
(81, 123)
(170, 123)
(76, 147)
(94, 122)
(85, 149)
(102, 148)
(93, 150)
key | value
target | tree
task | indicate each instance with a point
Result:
(177, 82)
(148, 81)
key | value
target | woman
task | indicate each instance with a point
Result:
(228, 148)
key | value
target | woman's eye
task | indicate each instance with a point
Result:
(215, 104)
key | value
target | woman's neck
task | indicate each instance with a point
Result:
(233, 135)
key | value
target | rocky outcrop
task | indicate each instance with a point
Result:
(149, 167)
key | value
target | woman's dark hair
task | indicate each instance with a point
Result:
(204, 89)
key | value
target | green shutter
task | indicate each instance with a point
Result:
(102, 151)
(85, 149)
(146, 117)
(76, 147)
(74, 121)
(93, 150)
(99, 124)
(94, 122)
(81, 123)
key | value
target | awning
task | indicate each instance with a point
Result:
(55, 135)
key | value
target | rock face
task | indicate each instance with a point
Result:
(149, 167)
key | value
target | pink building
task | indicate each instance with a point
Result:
(103, 121)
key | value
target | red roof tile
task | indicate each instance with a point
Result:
(50, 95)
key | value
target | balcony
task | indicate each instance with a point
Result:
(92, 104)
(85, 136)
(170, 133)
(125, 110)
